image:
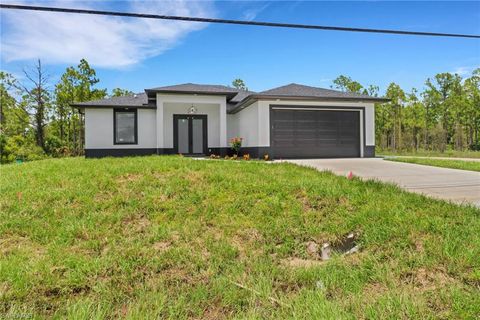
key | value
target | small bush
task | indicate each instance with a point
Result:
(266, 157)
(236, 144)
(20, 147)
(246, 157)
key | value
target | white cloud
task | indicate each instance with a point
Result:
(104, 41)
(252, 13)
(464, 71)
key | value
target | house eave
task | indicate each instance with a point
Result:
(84, 106)
(200, 93)
(252, 98)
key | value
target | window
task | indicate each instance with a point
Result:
(125, 126)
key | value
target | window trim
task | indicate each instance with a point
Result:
(125, 110)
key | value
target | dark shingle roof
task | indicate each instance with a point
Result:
(242, 94)
(196, 88)
(298, 90)
(136, 100)
(236, 99)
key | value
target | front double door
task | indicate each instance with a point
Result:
(190, 134)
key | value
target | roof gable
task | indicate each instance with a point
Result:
(196, 88)
(298, 90)
(135, 100)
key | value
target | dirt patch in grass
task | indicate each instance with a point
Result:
(103, 196)
(319, 203)
(12, 243)
(129, 177)
(301, 263)
(214, 312)
(161, 246)
(195, 177)
(423, 279)
(374, 290)
(250, 235)
(246, 241)
(136, 223)
(176, 276)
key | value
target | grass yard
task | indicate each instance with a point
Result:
(428, 153)
(172, 237)
(444, 163)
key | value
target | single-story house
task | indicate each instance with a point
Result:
(292, 121)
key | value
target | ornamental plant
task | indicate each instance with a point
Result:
(236, 144)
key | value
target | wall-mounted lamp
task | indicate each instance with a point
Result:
(192, 110)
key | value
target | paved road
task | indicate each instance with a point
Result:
(459, 186)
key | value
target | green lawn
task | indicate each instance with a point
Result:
(428, 153)
(172, 237)
(444, 163)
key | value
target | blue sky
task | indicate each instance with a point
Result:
(136, 54)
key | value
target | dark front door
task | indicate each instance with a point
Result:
(190, 134)
(315, 133)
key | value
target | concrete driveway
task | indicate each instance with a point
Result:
(459, 186)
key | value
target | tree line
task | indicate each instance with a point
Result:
(444, 115)
(37, 119)
(36, 116)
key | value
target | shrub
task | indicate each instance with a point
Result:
(20, 147)
(266, 157)
(234, 157)
(53, 147)
(236, 144)
(246, 157)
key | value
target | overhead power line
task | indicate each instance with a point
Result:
(238, 22)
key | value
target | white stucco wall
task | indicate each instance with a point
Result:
(99, 129)
(212, 106)
(253, 122)
(232, 126)
(247, 123)
(212, 112)
(370, 124)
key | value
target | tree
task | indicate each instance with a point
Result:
(75, 85)
(471, 89)
(14, 120)
(395, 105)
(118, 92)
(239, 84)
(35, 100)
(346, 84)
(442, 92)
(414, 118)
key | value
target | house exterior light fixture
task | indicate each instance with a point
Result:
(192, 109)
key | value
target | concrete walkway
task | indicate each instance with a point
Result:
(459, 186)
(440, 158)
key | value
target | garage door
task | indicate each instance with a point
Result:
(315, 133)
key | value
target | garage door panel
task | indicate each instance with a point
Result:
(315, 133)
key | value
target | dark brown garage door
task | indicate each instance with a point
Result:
(315, 133)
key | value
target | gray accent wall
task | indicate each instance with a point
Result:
(369, 152)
